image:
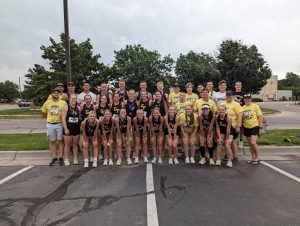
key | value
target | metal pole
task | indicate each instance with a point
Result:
(67, 41)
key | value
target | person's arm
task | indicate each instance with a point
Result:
(167, 125)
(83, 128)
(97, 99)
(112, 129)
(145, 126)
(96, 129)
(177, 123)
(117, 125)
(218, 133)
(229, 122)
(161, 126)
(45, 110)
(135, 126)
(211, 126)
(103, 132)
(166, 107)
(63, 119)
(239, 122)
(128, 125)
(260, 120)
(150, 97)
(110, 98)
(151, 125)
(201, 125)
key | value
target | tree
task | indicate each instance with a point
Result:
(239, 62)
(135, 64)
(197, 68)
(8, 90)
(84, 66)
(290, 82)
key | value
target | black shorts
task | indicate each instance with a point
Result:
(177, 132)
(73, 131)
(251, 132)
(234, 133)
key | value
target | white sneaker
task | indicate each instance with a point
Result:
(218, 162)
(187, 160)
(202, 161)
(145, 159)
(241, 144)
(118, 162)
(129, 162)
(192, 160)
(91, 159)
(67, 162)
(95, 163)
(154, 160)
(136, 160)
(176, 161)
(105, 162)
(211, 162)
(75, 161)
(86, 163)
(159, 160)
(100, 157)
(110, 162)
(229, 164)
(171, 161)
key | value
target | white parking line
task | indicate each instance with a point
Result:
(15, 174)
(281, 171)
(152, 219)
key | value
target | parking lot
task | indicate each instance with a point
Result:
(181, 195)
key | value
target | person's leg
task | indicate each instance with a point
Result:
(127, 143)
(52, 145)
(170, 146)
(193, 145)
(68, 142)
(228, 145)
(153, 143)
(75, 147)
(51, 135)
(109, 149)
(175, 149)
(119, 145)
(137, 146)
(210, 148)
(99, 145)
(145, 146)
(85, 142)
(235, 148)
(202, 149)
(220, 147)
(254, 146)
(185, 140)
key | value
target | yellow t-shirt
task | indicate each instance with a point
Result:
(188, 126)
(53, 110)
(232, 109)
(198, 105)
(180, 107)
(191, 98)
(250, 117)
(61, 97)
(173, 98)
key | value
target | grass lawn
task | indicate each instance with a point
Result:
(268, 111)
(20, 111)
(23, 142)
(276, 137)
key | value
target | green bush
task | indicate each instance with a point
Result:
(257, 99)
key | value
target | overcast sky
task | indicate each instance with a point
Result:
(169, 26)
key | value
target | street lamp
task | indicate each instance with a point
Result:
(67, 41)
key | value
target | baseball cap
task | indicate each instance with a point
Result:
(59, 84)
(247, 95)
(229, 93)
(205, 106)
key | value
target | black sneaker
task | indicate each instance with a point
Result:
(225, 159)
(53, 161)
(235, 160)
(61, 161)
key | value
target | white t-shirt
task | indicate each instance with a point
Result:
(219, 97)
(82, 95)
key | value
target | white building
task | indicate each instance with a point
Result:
(270, 91)
(284, 95)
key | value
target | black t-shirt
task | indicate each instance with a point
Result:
(239, 97)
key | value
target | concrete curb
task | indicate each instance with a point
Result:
(45, 154)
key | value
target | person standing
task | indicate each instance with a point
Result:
(220, 96)
(123, 94)
(159, 103)
(205, 100)
(181, 104)
(143, 88)
(86, 91)
(190, 96)
(210, 88)
(62, 96)
(174, 96)
(103, 91)
(252, 123)
(52, 111)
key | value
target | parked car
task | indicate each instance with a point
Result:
(3, 100)
(24, 103)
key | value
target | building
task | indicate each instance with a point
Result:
(270, 91)
(285, 95)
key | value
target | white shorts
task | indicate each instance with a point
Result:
(54, 131)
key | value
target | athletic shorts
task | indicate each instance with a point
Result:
(54, 131)
(73, 131)
(252, 131)
(234, 133)
(177, 132)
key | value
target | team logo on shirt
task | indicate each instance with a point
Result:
(55, 110)
(248, 114)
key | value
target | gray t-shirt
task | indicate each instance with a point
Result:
(82, 95)
(218, 98)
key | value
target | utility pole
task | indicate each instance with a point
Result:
(67, 41)
(20, 88)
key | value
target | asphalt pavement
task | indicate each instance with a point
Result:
(183, 194)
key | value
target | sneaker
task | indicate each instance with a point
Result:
(225, 159)
(100, 157)
(171, 161)
(241, 144)
(118, 162)
(95, 163)
(136, 160)
(235, 160)
(176, 161)
(53, 161)
(160, 160)
(192, 160)
(145, 159)
(91, 159)
(187, 160)
(154, 160)
(229, 164)
(129, 162)
(110, 162)
(61, 161)
(211, 162)
(202, 161)
(75, 161)
(105, 162)
(86, 163)
(67, 162)
(218, 162)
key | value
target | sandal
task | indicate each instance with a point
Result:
(256, 162)
(250, 161)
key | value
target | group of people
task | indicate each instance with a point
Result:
(104, 122)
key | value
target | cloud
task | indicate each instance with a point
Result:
(171, 27)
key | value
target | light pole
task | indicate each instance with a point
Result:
(67, 41)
